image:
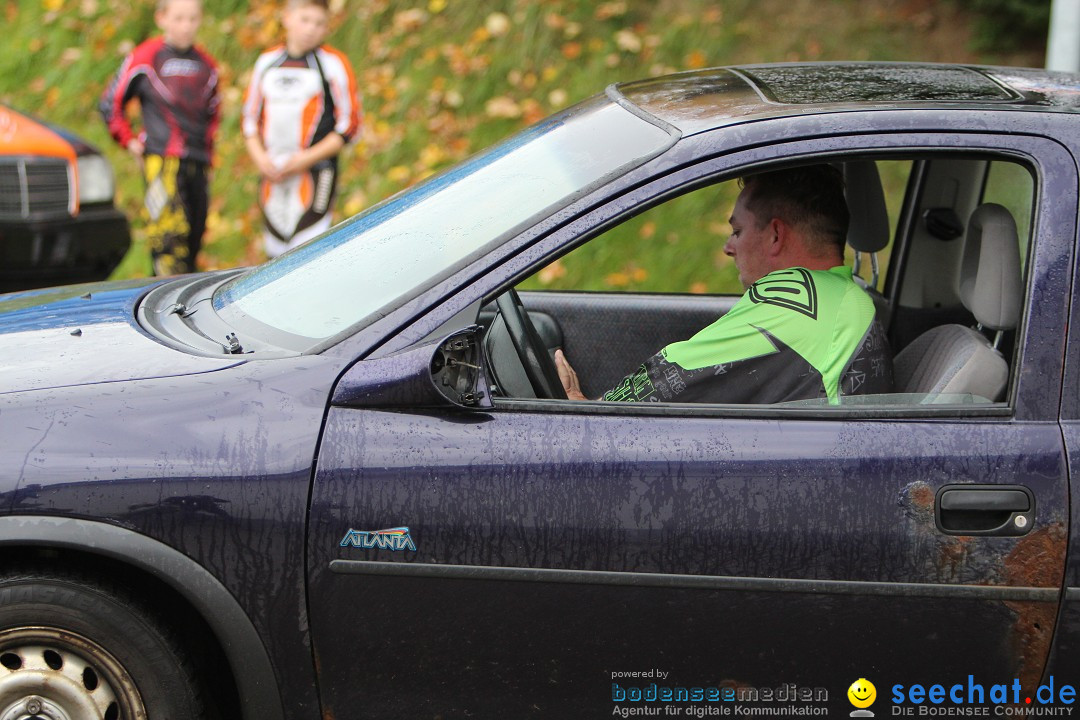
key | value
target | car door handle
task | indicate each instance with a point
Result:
(984, 510)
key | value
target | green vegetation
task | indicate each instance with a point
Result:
(441, 79)
(1010, 23)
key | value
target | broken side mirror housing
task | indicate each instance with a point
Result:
(449, 372)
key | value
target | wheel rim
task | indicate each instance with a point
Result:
(52, 674)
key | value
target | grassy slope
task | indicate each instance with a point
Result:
(441, 79)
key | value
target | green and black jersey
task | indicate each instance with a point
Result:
(795, 334)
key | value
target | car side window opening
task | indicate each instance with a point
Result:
(662, 275)
(950, 191)
(675, 247)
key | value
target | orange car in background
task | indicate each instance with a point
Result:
(58, 223)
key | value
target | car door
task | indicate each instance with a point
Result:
(570, 558)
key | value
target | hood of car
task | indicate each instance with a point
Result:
(84, 334)
(23, 135)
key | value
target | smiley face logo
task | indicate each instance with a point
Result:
(862, 693)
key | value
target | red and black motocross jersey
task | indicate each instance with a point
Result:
(178, 94)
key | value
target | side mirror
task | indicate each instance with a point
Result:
(446, 373)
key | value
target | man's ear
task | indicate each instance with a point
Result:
(780, 233)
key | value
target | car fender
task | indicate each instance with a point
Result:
(250, 662)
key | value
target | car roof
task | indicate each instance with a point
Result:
(706, 99)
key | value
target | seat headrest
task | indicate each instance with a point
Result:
(990, 282)
(869, 228)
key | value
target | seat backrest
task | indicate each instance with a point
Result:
(956, 359)
(990, 282)
(868, 231)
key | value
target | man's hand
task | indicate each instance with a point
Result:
(296, 163)
(305, 159)
(262, 160)
(268, 169)
(568, 377)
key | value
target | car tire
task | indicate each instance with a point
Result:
(75, 647)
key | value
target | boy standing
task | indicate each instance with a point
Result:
(176, 86)
(300, 110)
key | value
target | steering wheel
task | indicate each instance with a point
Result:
(539, 367)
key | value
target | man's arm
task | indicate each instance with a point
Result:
(301, 160)
(251, 120)
(261, 158)
(568, 377)
(213, 105)
(341, 81)
(113, 100)
(636, 387)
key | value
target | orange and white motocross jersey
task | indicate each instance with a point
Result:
(293, 103)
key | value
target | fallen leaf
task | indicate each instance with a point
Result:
(628, 41)
(502, 107)
(497, 24)
(70, 56)
(551, 273)
(409, 20)
(399, 174)
(555, 21)
(532, 112)
(356, 202)
(453, 98)
(608, 10)
(431, 155)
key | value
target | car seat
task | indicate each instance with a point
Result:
(868, 231)
(957, 359)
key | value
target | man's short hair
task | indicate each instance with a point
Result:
(810, 197)
(294, 4)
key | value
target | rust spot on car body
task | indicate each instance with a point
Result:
(917, 499)
(953, 555)
(1038, 560)
(922, 496)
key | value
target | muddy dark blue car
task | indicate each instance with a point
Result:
(345, 484)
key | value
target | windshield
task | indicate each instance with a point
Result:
(404, 245)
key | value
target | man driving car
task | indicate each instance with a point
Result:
(802, 330)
